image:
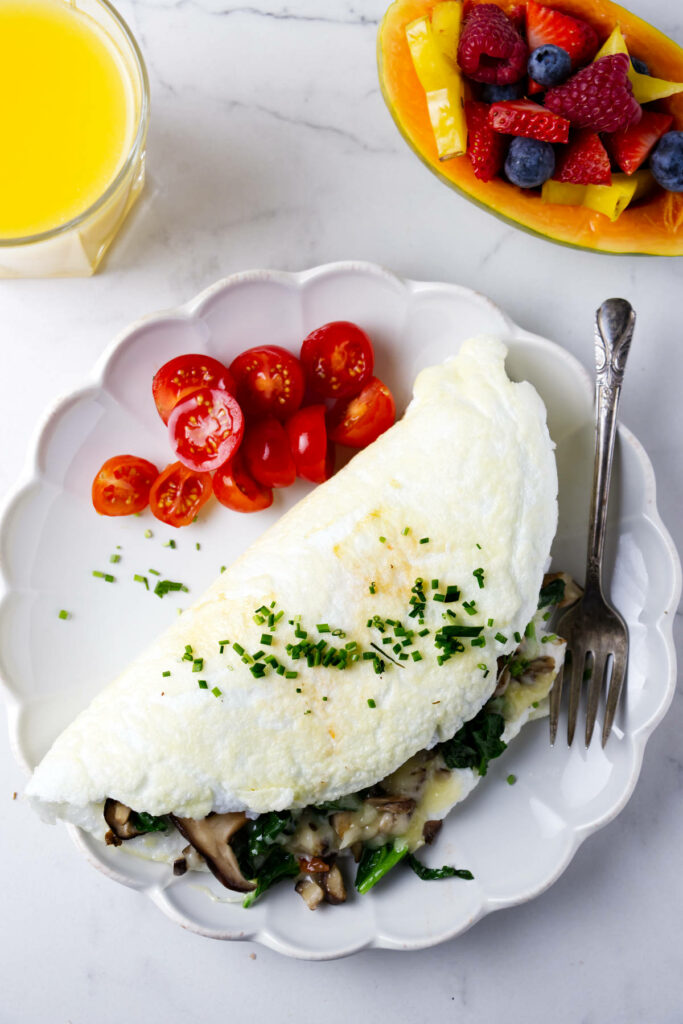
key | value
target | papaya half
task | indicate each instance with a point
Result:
(653, 226)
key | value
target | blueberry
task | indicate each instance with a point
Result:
(549, 65)
(498, 93)
(529, 162)
(666, 162)
(640, 66)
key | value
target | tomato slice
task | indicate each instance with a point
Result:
(179, 377)
(267, 455)
(358, 421)
(338, 359)
(307, 433)
(206, 429)
(122, 485)
(269, 381)
(178, 494)
(236, 489)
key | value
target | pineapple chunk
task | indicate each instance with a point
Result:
(645, 87)
(611, 200)
(433, 47)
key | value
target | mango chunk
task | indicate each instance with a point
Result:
(433, 47)
(611, 200)
(646, 89)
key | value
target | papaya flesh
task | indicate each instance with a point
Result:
(653, 226)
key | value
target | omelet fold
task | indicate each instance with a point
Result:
(460, 493)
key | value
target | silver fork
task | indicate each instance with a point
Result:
(592, 626)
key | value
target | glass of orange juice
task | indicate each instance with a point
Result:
(72, 134)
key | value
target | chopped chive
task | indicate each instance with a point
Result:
(479, 546)
(291, 674)
(202, 684)
(114, 559)
(452, 594)
(164, 587)
(423, 632)
(198, 664)
(324, 698)
(470, 607)
(308, 712)
(483, 667)
(166, 673)
(501, 638)
(518, 638)
(547, 616)
(107, 577)
(439, 597)
(266, 638)
(479, 577)
(198, 546)
(403, 657)
(479, 641)
(371, 703)
(141, 579)
(530, 631)
(416, 656)
(238, 649)
(257, 671)
(490, 622)
(63, 614)
(369, 656)
(298, 689)
(406, 531)
(372, 588)
(259, 654)
(549, 638)
(378, 666)
(435, 584)
(322, 627)
(170, 543)
(154, 572)
(534, 703)
(386, 639)
(396, 648)
(223, 568)
(383, 540)
(424, 540)
(511, 779)
(148, 533)
(216, 692)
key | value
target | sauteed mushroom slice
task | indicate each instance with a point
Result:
(311, 893)
(118, 817)
(333, 884)
(211, 837)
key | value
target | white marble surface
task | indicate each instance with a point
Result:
(270, 146)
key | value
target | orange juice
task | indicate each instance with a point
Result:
(68, 115)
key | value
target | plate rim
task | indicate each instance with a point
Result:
(663, 624)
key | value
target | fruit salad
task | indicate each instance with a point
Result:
(545, 105)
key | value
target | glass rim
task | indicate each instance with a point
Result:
(136, 147)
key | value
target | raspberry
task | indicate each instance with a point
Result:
(490, 49)
(599, 96)
(485, 148)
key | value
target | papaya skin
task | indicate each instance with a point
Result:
(652, 227)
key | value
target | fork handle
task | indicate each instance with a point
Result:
(614, 324)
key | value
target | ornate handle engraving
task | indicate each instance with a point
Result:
(614, 324)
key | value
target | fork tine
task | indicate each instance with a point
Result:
(594, 690)
(578, 664)
(555, 701)
(615, 688)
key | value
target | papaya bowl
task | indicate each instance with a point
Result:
(651, 225)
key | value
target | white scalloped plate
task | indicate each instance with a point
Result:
(516, 839)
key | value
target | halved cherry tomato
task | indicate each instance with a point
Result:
(307, 433)
(178, 494)
(267, 455)
(179, 377)
(236, 489)
(358, 421)
(338, 359)
(122, 485)
(269, 381)
(206, 429)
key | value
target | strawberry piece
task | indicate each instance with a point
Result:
(485, 148)
(584, 161)
(598, 97)
(530, 120)
(631, 146)
(490, 49)
(546, 25)
(533, 87)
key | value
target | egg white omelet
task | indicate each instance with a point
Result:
(421, 560)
